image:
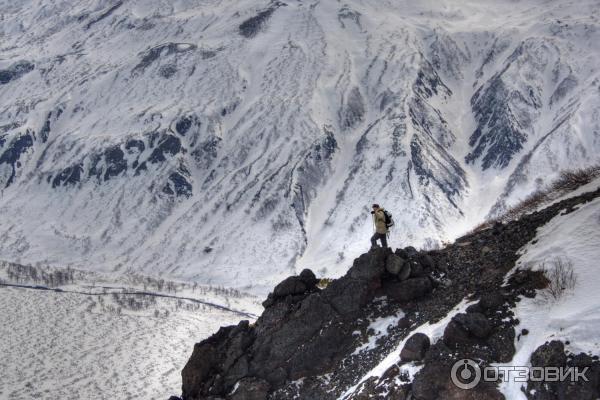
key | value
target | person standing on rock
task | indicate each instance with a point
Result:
(380, 226)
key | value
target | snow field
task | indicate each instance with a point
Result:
(63, 345)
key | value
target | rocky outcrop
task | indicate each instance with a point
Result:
(304, 331)
(553, 354)
(309, 342)
(15, 71)
(415, 348)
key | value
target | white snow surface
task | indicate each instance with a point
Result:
(574, 317)
(291, 134)
(58, 345)
(98, 337)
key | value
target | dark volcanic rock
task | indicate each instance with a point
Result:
(303, 332)
(252, 26)
(415, 347)
(168, 144)
(181, 186)
(290, 286)
(466, 328)
(251, 389)
(115, 162)
(408, 290)
(552, 354)
(434, 380)
(369, 265)
(549, 355)
(13, 153)
(491, 301)
(394, 264)
(68, 176)
(416, 270)
(15, 71)
(348, 296)
(297, 287)
(304, 344)
(427, 262)
(214, 356)
(309, 278)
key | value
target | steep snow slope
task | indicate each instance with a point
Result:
(212, 140)
(575, 316)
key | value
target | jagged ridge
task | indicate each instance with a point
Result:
(306, 334)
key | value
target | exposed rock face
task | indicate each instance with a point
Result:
(549, 355)
(409, 289)
(303, 332)
(306, 334)
(415, 347)
(552, 354)
(466, 329)
(15, 71)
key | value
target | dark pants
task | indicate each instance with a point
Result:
(380, 236)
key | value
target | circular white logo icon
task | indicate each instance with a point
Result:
(465, 374)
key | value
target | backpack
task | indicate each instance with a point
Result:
(389, 221)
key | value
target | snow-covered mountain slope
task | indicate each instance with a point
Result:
(234, 142)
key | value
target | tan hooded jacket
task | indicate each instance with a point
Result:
(379, 219)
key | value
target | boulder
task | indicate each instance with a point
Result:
(415, 347)
(411, 251)
(394, 264)
(290, 286)
(433, 382)
(430, 381)
(550, 354)
(309, 278)
(466, 328)
(474, 308)
(295, 286)
(416, 270)
(347, 296)
(405, 272)
(401, 253)
(475, 323)
(370, 265)
(407, 290)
